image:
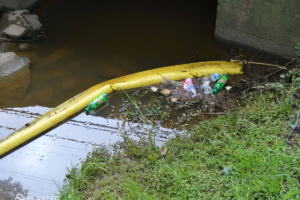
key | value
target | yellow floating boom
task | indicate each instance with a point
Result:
(137, 80)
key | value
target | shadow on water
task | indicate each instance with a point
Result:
(85, 43)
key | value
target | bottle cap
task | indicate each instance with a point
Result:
(217, 76)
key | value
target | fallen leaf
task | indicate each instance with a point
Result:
(174, 99)
(154, 89)
(166, 91)
(164, 152)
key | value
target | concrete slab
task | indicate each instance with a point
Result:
(269, 27)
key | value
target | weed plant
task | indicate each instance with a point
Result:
(251, 141)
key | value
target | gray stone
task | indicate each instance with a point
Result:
(14, 31)
(10, 63)
(36, 26)
(14, 16)
(24, 19)
(14, 85)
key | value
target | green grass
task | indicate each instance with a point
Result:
(252, 141)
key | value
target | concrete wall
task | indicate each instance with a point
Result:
(18, 4)
(267, 26)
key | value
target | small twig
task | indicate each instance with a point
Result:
(294, 126)
(275, 73)
(290, 62)
(256, 63)
(282, 68)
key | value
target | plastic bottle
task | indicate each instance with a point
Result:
(206, 81)
(212, 78)
(97, 102)
(188, 85)
(206, 89)
(168, 82)
(221, 82)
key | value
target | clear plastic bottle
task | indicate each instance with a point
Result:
(97, 102)
(212, 78)
(206, 89)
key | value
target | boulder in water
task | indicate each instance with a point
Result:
(14, 31)
(10, 63)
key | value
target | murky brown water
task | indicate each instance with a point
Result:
(88, 42)
(85, 43)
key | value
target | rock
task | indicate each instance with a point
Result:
(69, 84)
(14, 85)
(24, 19)
(24, 46)
(16, 16)
(14, 77)
(36, 26)
(10, 63)
(14, 31)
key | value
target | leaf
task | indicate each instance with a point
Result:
(282, 75)
(164, 152)
(166, 91)
(174, 99)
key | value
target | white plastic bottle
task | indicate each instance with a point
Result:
(212, 78)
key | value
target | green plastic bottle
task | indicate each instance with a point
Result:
(97, 102)
(220, 84)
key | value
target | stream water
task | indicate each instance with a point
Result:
(85, 43)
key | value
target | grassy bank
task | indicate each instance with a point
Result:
(252, 142)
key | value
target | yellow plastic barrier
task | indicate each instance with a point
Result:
(141, 79)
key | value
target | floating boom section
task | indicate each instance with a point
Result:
(137, 80)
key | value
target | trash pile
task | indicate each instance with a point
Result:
(208, 90)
